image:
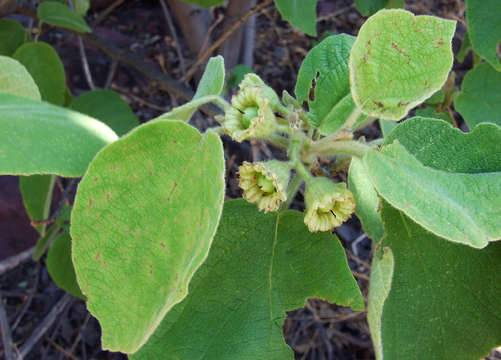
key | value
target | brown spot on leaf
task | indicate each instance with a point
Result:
(426, 83)
(96, 178)
(400, 51)
(172, 191)
(98, 257)
(113, 167)
(402, 103)
(108, 196)
(91, 202)
(188, 233)
(162, 245)
(174, 141)
(498, 54)
(378, 103)
(151, 268)
(177, 276)
(369, 43)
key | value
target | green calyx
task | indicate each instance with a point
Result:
(264, 183)
(328, 204)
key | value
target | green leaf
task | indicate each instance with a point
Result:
(60, 266)
(465, 48)
(366, 199)
(52, 232)
(212, 81)
(36, 191)
(260, 266)
(205, 3)
(480, 97)
(46, 68)
(369, 7)
(302, 14)
(438, 145)
(387, 126)
(81, 6)
(467, 213)
(108, 107)
(379, 289)
(11, 36)
(327, 65)
(431, 112)
(484, 29)
(16, 80)
(445, 298)
(399, 60)
(143, 221)
(237, 75)
(39, 138)
(57, 14)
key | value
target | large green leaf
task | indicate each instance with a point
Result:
(57, 14)
(300, 13)
(16, 80)
(480, 97)
(440, 146)
(398, 60)
(39, 138)
(327, 65)
(484, 29)
(366, 199)
(11, 36)
(108, 107)
(36, 191)
(60, 266)
(260, 266)
(143, 222)
(445, 298)
(466, 212)
(46, 68)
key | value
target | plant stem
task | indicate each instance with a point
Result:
(296, 182)
(278, 140)
(350, 147)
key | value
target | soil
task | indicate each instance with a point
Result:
(319, 330)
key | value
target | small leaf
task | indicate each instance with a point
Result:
(260, 266)
(302, 14)
(366, 199)
(466, 213)
(81, 6)
(431, 112)
(387, 126)
(108, 107)
(11, 36)
(46, 68)
(143, 222)
(212, 81)
(399, 60)
(60, 266)
(445, 298)
(480, 97)
(39, 138)
(369, 7)
(16, 80)
(327, 64)
(484, 29)
(465, 48)
(237, 75)
(36, 191)
(57, 14)
(205, 3)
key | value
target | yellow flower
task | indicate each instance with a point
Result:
(328, 204)
(264, 183)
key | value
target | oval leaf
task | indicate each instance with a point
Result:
(445, 298)
(467, 212)
(39, 138)
(398, 60)
(143, 222)
(57, 14)
(36, 191)
(46, 68)
(480, 97)
(11, 36)
(300, 13)
(108, 107)
(327, 65)
(60, 266)
(16, 80)
(484, 29)
(260, 266)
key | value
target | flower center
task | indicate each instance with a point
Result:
(249, 114)
(265, 184)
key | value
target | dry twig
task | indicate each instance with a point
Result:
(6, 335)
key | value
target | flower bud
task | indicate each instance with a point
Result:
(264, 183)
(250, 115)
(328, 204)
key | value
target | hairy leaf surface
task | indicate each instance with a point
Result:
(46, 68)
(39, 138)
(143, 221)
(445, 298)
(16, 80)
(480, 97)
(260, 266)
(399, 60)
